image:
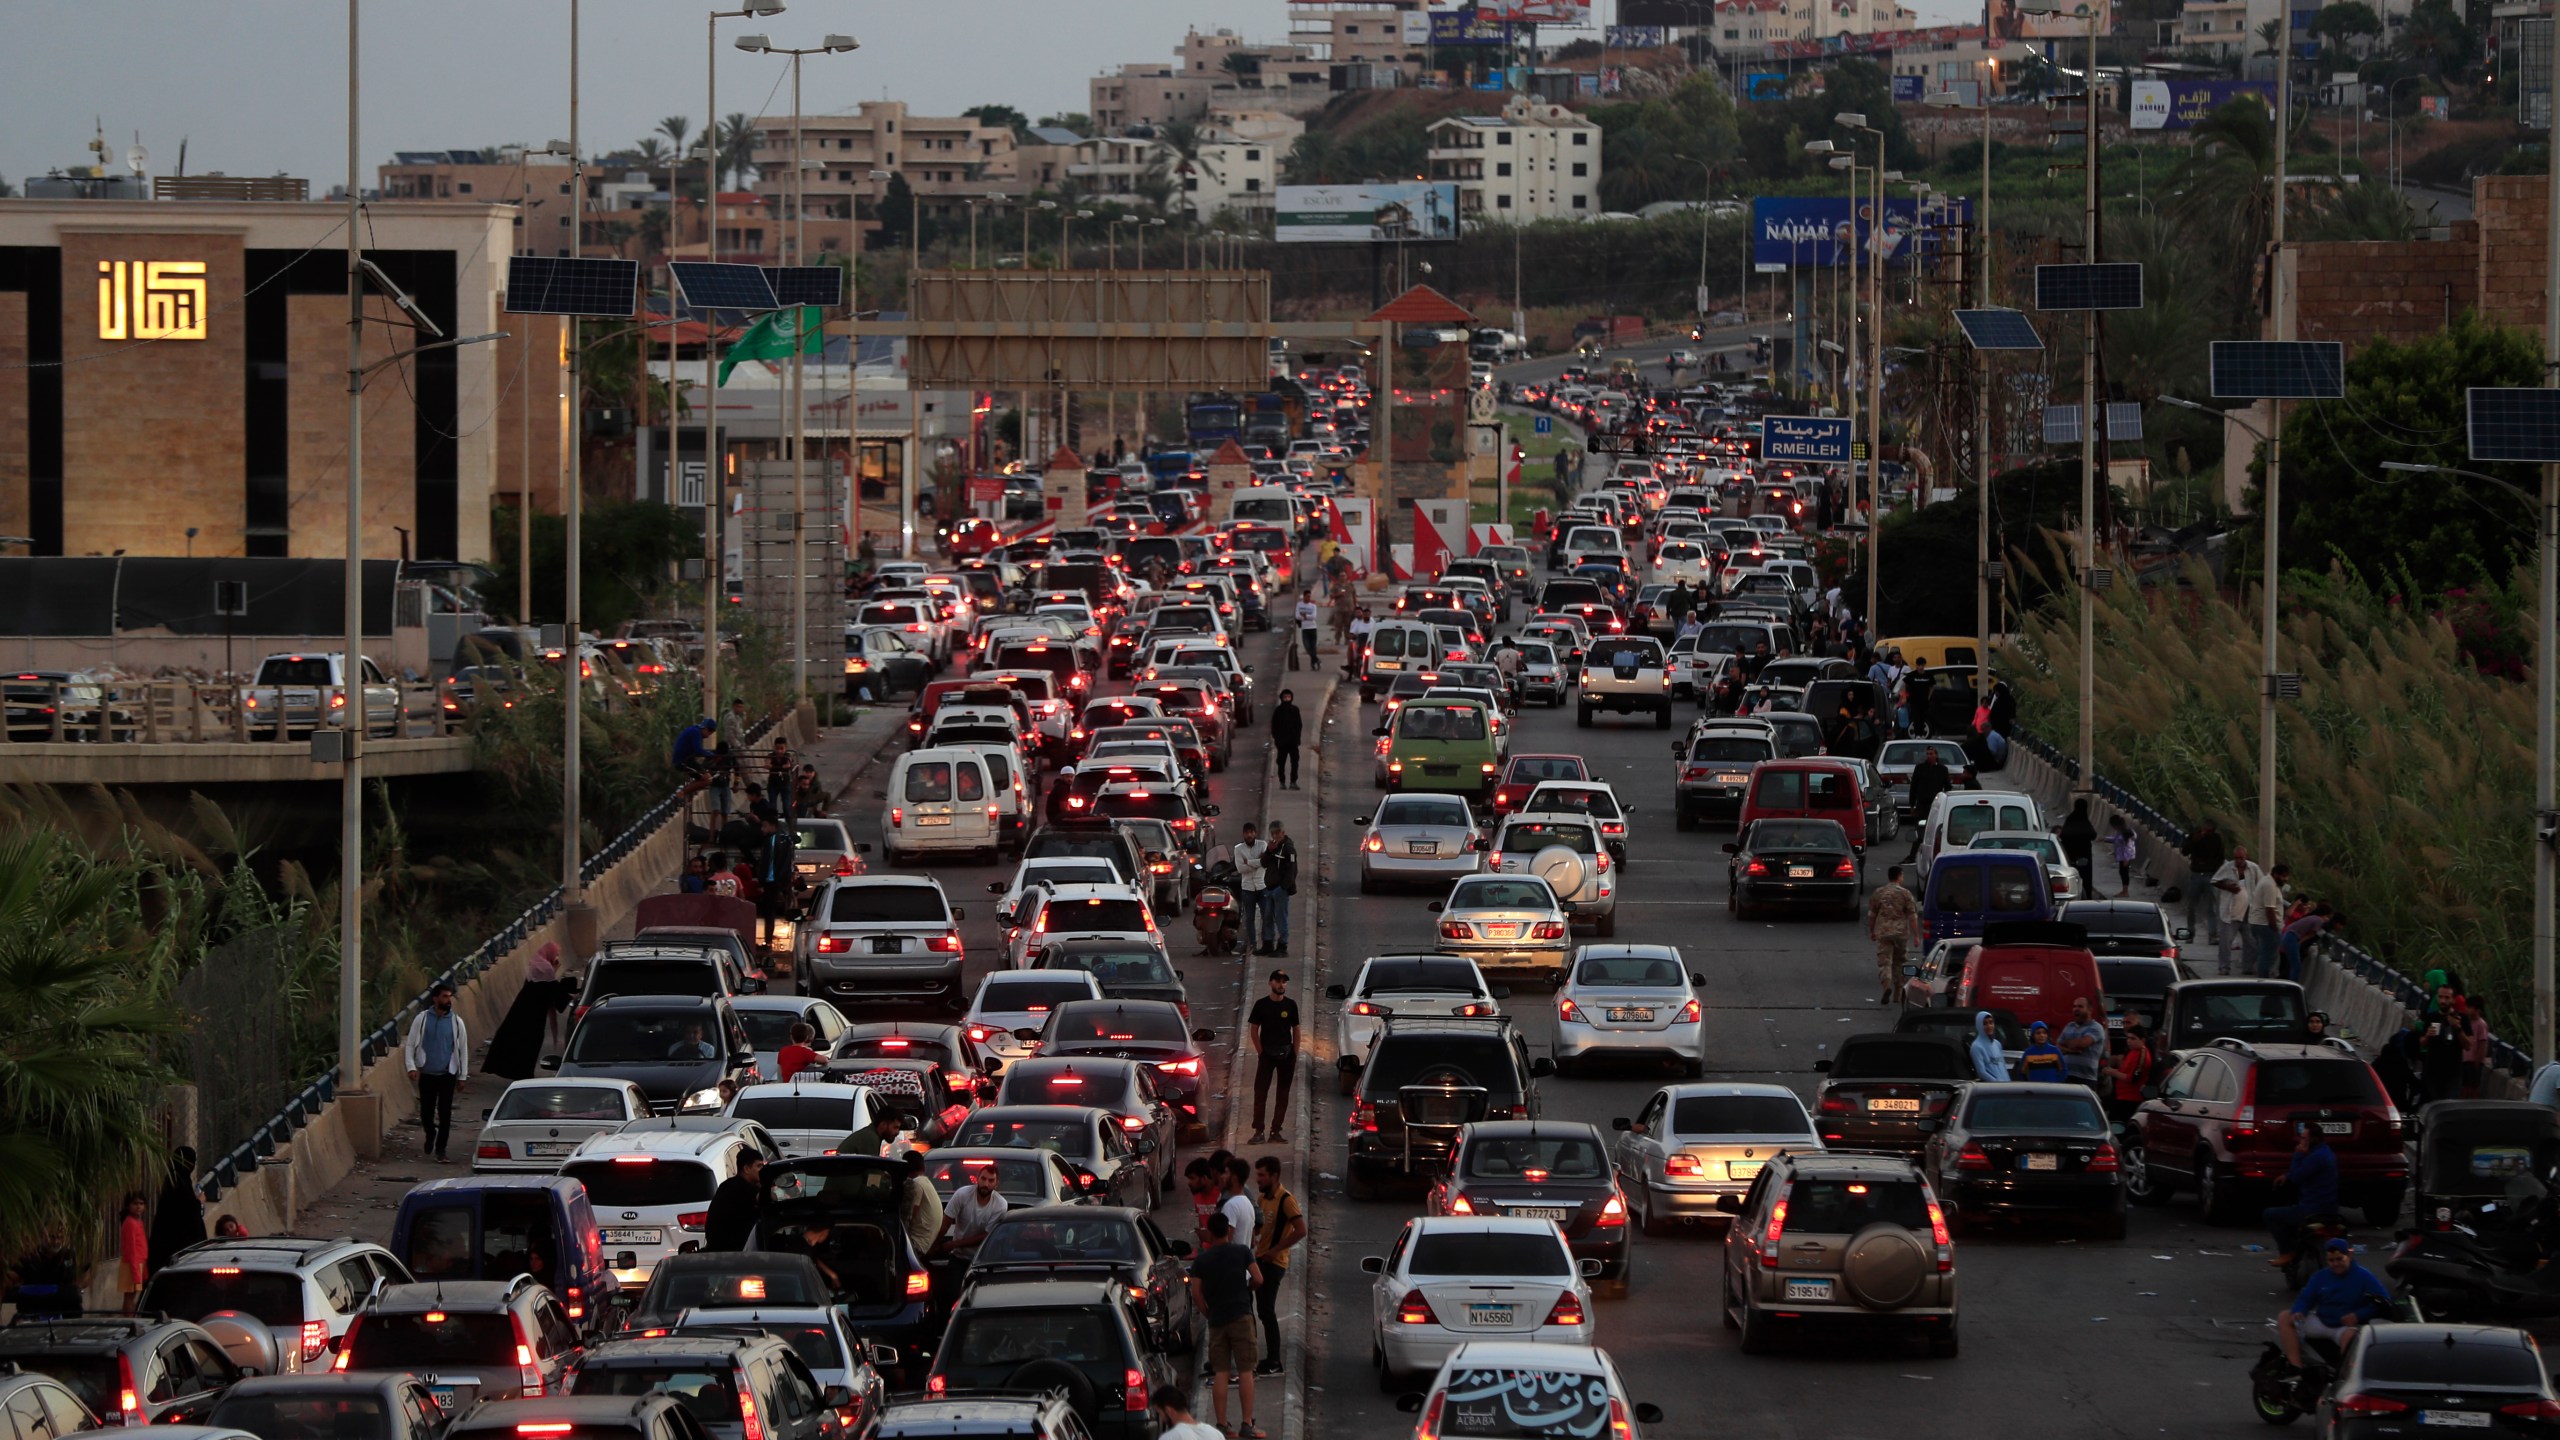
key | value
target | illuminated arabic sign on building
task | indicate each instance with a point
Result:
(151, 299)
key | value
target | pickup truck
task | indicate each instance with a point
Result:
(300, 693)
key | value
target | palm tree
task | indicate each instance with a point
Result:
(677, 128)
(2269, 35)
(737, 149)
(2233, 155)
(652, 152)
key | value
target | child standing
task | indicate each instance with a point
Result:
(2121, 843)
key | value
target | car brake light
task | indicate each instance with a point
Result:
(128, 1400)
(490, 1150)
(844, 865)
(1973, 1159)
(1181, 1067)
(1688, 1165)
(2369, 1405)
(1364, 1116)
(1836, 1105)
(1689, 1013)
(1614, 1213)
(948, 942)
(918, 1282)
(936, 1384)
(545, 1427)
(1458, 1205)
(1415, 1309)
(897, 815)
(1756, 867)
(315, 1338)
(1133, 1391)
(2106, 1161)
(1568, 1308)
(693, 1219)
(1456, 930)
(529, 1375)
(1547, 930)
(1429, 1429)
(1566, 1009)
(834, 944)
(1939, 1236)
(2532, 1410)
(1845, 867)
(1777, 1228)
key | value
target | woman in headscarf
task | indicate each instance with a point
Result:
(515, 1051)
(1990, 1061)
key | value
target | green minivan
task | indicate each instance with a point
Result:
(1439, 743)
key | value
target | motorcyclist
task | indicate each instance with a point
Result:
(2339, 1297)
(2314, 1176)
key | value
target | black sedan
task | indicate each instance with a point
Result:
(1804, 864)
(948, 1045)
(2025, 1149)
(1117, 1241)
(1125, 1088)
(1545, 1170)
(1152, 1032)
(1889, 1092)
(2397, 1378)
(1126, 968)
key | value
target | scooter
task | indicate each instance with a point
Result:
(1216, 916)
(2462, 1273)
(2282, 1394)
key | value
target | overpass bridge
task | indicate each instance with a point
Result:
(184, 733)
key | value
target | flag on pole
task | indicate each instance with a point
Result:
(770, 338)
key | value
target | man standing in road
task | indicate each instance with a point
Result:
(1274, 1025)
(1280, 881)
(777, 871)
(1222, 1280)
(2266, 919)
(1288, 728)
(920, 1206)
(1248, 854)
(1359, 639)
(1284, 1224)
(2233, 881)
(733, 1206)
(1929, 780)
(1307, 618)
(1893, 919)
(2084, 1045)
(438, 1053)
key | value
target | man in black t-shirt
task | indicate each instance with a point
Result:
(1274, 1021)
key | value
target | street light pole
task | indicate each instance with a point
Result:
(572, 687)
(2089, 421)
(351, 678)
(2271, 501)
(714, 496)
(2546, 665)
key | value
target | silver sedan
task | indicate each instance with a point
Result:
(1631, 1002)
(1505, 923)
(1691, 1144)
(1419, 837)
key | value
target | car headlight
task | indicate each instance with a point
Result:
(700, 1102)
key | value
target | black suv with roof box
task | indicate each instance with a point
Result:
(1425, 1079)
(1084, 1338)
(983, 1415)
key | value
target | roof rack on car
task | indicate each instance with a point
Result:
(2235, 1043)
(1494, 1024)
(267, 1242)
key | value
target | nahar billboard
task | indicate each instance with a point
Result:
(1814, 230)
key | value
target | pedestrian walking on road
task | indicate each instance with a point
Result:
(1893, 921)
(731, 1218)
(1357, 637)
(1929, 780)
(1274, 1023)
(1279, 882)
(1288, 728)
(1248, 855)
(1284, 1224)
(2079, 839)
(2266, 919)
(1307, 620)
(2125, 850)
(437, 1055)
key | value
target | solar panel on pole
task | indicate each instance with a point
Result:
(1998, 330)
(2124, 420)
(558, 285)
(723, 287)
(2516, 425)
(2279, 370)
(2089, 287)
(2062, 424)
(806, 285)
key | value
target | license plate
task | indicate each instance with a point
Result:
(549, 1147)
(933, 819)
(1422, 847)
(1502, 932)
(1891, 1105)
(2466, 1419)
(1439, 769)
(2040, 1162)
(887, 945)
(1743, 1169)
(1799, 872)
(1537, 1212)
(2348, 1127)
(444, 1395)
(1808, 1289)
(1728, 779)
(1634, 1013)
(649, 1236)
(1489, 1317)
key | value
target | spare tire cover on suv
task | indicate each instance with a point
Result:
(1562, 869)
(1884, 1266)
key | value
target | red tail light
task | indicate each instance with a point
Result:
(1568, 1308)
(346, 1351)
(936, 1384)
(897, 815)
(1430, 1427)
(978, 1034)
(1973, 1159)
(1566, 1009)
(918, 1283)
(1364, 1116)
(1180, 1067)
(1688, 1165)
(1613, 1214)
(693, 1220)
(1457, 930)
(2532, 1410)
(1689, 1013)
(1756, 867)
(490, 1150)
(529, 1375)
(1133, 1391)
(948, 942)
(2106, 1161)
(1845, 868)
(1769, 1238)
(1547, 930)
(315, 1338)
(834, 944)
(128, 1395)
(1415, 1309)
(2371, 1405)
(1460, 1205)
(1938, 1235)
(844, 864)
(1133, 1122)
(1837, 1105)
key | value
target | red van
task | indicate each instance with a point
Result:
(1807, 789)
(2034, 969)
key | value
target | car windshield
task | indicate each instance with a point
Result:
(2040, 846)
(1093, 913)
(1821, 1206)
(653, 977)
(1440, 722)
(1073, 1236)
(1489, 1252)
(1995, 1109)
(1630, 970)
(2436, 1365)
(1440, 810)
(1799, 835)
(1738, 1115)
(705, 1390)
(438, 1337)
(560, 1102)
(1065, 1134)
(1530, 836)
(273, 1296)
(1021, 1181)
(650, 1037)
(1450, 977)
(1000, 1341)
(1405, 1058)
(1491, 894)
(733, 1280)
(1729, 750)
(1530, 769)
(332, 1414)
(1093, 1022)
(1733, 639)
(1113, 967)
(1889, 1058)
(1622, 651)
(2148, 979)
(2239, 1013)
(2342, 1081)
(629, 1183)
(822, 835)
(1521, 1404)
(1899, 753)
(887, 905)
(1577, 798)
(1536, 1158)
(836, 1113)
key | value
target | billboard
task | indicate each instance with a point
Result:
(1907, 89)
(1812, 439)
(1412, 210)
(1685, 14)
(1635, 37)
(1537, 12)
(1813, 230)
(1765, 85)
(1465, 27)
(2182, 104)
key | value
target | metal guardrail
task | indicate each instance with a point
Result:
(188, 712)
(2355, 959)
(278, 1128)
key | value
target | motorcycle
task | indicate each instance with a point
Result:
(1217, 917)
(2498, 1277)
(2282, 1394)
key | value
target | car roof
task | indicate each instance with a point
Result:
(1484, 1225)
(267, 1251)
(1852, 1163)
(1514, 1354)
(1031, 1112)
(669, 1003)
(1094, 889)
(778, 1004)
(605, 1352)
(445, 1294)
(683, 1144)
(1535, 1129)
(1623, 950)
(1049, 1294)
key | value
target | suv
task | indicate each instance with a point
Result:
(306, 1290)
(2195, 1013)
(653, 1416)
(742, 1385)
(468, 1339)
(674, 969)
(136, 1369)
(1109, 843)
(676, 1048)
(1426, 1078)
(652, 1188)
(26, 1398)
(1085, 1339)
(884, 938)
(1625, 674)
(1889, 1091)
(2223, 1119)
(1114, 1242)
(1823, 1236)
(1715, 770)
(983, 1415)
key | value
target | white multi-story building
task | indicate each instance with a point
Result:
(1534, 161)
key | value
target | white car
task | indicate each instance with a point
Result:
(1450, 1279)
(1013, 1007)
(1678, 560)
(1691, 1144)
(1057, 912)
(1635, 1002)
(1046, 870)
(651, 1184)
(2068, 882)
(1566, 851)
(1407, 985)
(807, 1114)
(1584, 797)
(768, 1020)
(1957, 816)
(1422, 837)
(536, 1124)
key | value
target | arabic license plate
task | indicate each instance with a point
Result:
(1743, 1169)
(2338, 1127)
(1808, 1289)
(2040, 1162)
(1893, 1105)
(1799, 872)
(1537, 1212)
(887, 945)
(933, 819)
(1422, 847)
(549, 1147)
(1489, 1317)
(2463, 1419)
(1502, 932)
(1623, 1013)
(650, 1235)
(1728, 779)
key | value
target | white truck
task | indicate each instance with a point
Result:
(302, 692)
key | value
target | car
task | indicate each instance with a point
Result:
(1855, 1238)
(1124, 968)
(1155, 1033)
(1897, 759)
(2222, 1119)
(741, 1383)
(884, 939)
(1118, 1242)
(652, 1188)
(1815, 788)
(917, 1092)
(1883, 816)
(1555, 1170)
(823, 847)
(883, 661)
(878, 1277)
(2027, 1150)
(2476, 1377)
(963, 1061)
(940, 800)
(1957, 816)
(1692, 1146)
(1413, 986)
(1087, 1139)
(1012, 1005)
(2037, 969)
(2195, 1013)
(2136, 929)
(305, 1290)
(136, 1369)
(1169, 858)
(1541, 677)
(2065, 878)
(1800, 864)
(1568, 853)
(1039, 870)
(1551, 1392)
(700, 1278)
(1584, 797)
(1888, 1091)
(1126, 1088)
(536, 1123)
(1625, 675)
(1505, 923)
(1424, 1078)
(1088, 1339)
(1055, 912)
(806, 1114)
(1714, 770)
(1633, 1002)
(2134, 985)
(1418, 837)
(769, 1018)
(837, 1357)
(1168, 800)
(1448, 1278)
(676, 1049)
(636, 969)
(41, 1406)
(1436, 744)
(470, 1340)
(1023, 1176)
(1522, 773)
(376, 1406)
(984, 1415)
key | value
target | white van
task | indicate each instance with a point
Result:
(1265, 504)
(1959, 815)
(1396, 646)
(1005, 769)
(940, 799)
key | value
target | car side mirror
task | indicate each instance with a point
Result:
(1590, 1269)
(1027, 1032)
(995, 887)
(1541, 1066)
(959, 914)
(1204, 1036)
(835, 1397)
(1409, 1403)
(1501, 992)
(1373, 1264)
(882, 1357)
(2150, 1092)
(1381, 730)
(1337, 992)
(550, 1062)
(1622, 1123)
(742, 1057)
(991, 1068)
(1731, 848)
(1143, 1145)
(1822, 1067)
(1434, 907)
(2183, 935)
(485, 1113)
(1647, 1414)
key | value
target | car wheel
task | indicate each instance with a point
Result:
(1693, 1069)
(1724, 1297)
(1356, 1184)
(1367, 885)
(1608, 925)
(1390, 1382)
(1646, 1219)
(1662, 716)
(1943, 1340)
(1582, 716)
(2111, 1225)
(2143, 1185)
(1758, 1331)
(2217, 1190)
(1681, 819)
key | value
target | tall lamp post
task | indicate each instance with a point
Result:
(1874, 352)
(831, 45)
(1983, 561)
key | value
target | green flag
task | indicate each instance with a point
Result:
(770, 338)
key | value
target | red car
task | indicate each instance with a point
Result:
(1524, 772)
(2222, 1125)
(971, 538)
